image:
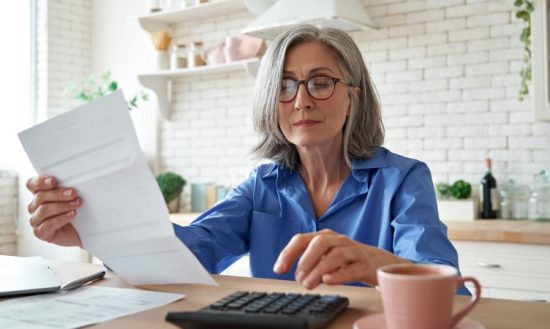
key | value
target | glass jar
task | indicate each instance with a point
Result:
(519, 202)
(179, 57)
(187, 3)
(195, 55)
(153, 5)
(539, 202)
(514, 201)
(504, 209)
(174, 4)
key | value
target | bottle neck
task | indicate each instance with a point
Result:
(488, 165)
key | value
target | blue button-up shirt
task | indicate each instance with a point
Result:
(387, 201)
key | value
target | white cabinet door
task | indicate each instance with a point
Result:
(507, 270)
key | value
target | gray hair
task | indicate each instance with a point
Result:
(363, 129)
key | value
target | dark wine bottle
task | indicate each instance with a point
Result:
(488, 193)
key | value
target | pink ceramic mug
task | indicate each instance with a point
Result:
(422, 296)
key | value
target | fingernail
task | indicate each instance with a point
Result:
(75, 202)
(68, 193)
(277, 267)
(71, 213)
(299, 276)
(308, 283)
(48, 181)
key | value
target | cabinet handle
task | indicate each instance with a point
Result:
(536, 300)
(488, 265)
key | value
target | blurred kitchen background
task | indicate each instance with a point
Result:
(449, 75)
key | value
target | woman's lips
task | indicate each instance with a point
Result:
(306, 123)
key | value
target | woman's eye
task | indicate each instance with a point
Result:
(321, 83)
(287, 85)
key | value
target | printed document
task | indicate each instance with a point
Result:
(123, 219)
(78, 308)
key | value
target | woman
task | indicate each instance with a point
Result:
(332, 207)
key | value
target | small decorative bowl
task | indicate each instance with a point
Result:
(243, 47)
(214, 54)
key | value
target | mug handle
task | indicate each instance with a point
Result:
(475, 299)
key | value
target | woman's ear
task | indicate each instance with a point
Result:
(356, 90)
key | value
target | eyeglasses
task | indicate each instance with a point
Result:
(319, 87)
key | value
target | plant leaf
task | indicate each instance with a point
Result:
(113, 86)
(523, 12)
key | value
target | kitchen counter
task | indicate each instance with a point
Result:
(510, 231)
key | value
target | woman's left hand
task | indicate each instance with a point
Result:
(332, 258)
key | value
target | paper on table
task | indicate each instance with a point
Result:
(123, 220)
(80, 307)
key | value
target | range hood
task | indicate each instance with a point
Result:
(277, 15)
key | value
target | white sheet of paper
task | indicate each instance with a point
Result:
(80, 307)
(123, 220)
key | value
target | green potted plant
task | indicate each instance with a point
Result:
(461, 189)
(443, 190)
(95, 87)
(454, 201)
(171, 185)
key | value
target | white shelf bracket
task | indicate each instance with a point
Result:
(162, 87)
(152, 26)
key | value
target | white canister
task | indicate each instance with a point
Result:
(163, 60)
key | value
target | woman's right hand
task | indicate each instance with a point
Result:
(52, 210)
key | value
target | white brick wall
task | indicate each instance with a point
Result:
(63, 35)
(447, 73)
(446, 70)
(8, 206)
(63, 52)
(210, 134)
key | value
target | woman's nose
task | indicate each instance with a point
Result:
(303, 99)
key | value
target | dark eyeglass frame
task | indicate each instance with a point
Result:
(306, 82)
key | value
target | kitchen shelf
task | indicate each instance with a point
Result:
(161, 82)
(158, 21)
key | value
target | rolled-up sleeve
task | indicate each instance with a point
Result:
(419, 235)
(220, 236)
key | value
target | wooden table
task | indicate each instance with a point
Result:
(492, 313)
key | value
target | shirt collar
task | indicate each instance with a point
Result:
(277, 170)
(358, 166)
(290, 185)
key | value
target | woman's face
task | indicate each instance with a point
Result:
(306, 121)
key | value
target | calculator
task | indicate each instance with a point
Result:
(263, 310)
